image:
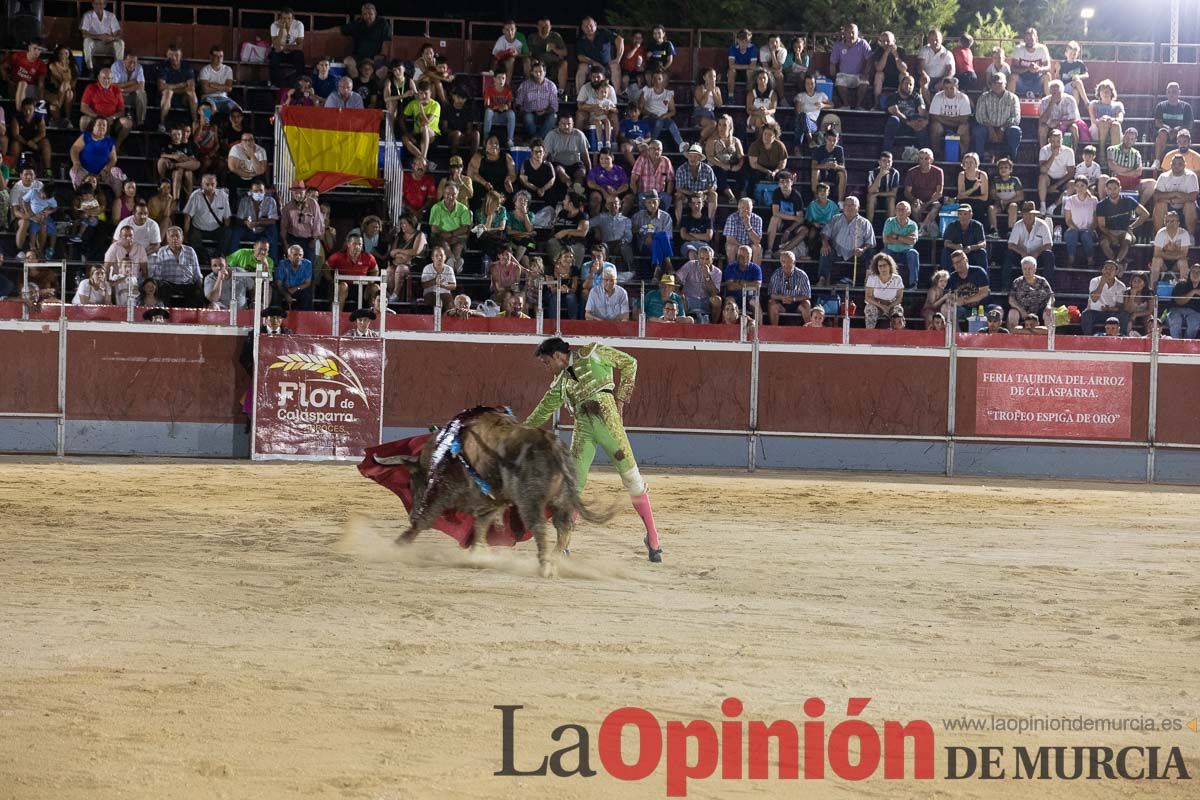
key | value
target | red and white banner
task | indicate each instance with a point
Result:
(1053, 398)
(318, 396)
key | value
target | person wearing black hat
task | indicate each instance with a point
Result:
(272, 325)
(995, 320)
(158, 315)
(362, 321)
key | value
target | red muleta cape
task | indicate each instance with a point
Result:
(455, 524)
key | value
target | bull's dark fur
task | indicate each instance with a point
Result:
(527, 468)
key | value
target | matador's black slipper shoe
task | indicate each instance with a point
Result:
(655, 555)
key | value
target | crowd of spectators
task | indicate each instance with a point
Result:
(574, 170)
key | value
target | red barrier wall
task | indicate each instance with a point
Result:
(29, 371)
(154, 378)
(1178, 389)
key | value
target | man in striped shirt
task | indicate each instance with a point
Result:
(537, 98)
(1125, 162)
(694, 178)
(789, 289)
(652, 172)
(177, 270)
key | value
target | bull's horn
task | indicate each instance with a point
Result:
(392, 461)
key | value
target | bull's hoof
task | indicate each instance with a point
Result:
(547, 569)
(406, 538)
(654, 553)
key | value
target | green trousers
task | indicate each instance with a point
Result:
(599, 425)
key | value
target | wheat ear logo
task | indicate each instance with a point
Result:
(335, 370)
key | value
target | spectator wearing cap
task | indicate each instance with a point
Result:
(1184, 315)
(653, 302)
(177, 270)
(101, 34)
(788, 290)
(1030, 294)
(1032, 237)
(652, 230)
(700, 282)
(743, 228)
(301, 222)
(293, 279)
(1106, 298)
(846, 237)
(652, 172)
(896, 321)
(966, 234)
(997, 118)
(537, 99)
(458, 179)
(1112, 327)
(368, 33)
(694, 178)
(995, 320)
(610, 302)
(362, 324)
(158, 315)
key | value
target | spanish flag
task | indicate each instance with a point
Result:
(333, 146)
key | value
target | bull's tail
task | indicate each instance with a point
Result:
(566, 467)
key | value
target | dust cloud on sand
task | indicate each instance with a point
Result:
(183, 629)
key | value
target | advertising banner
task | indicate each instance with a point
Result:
(317, 396)
(1053, 398)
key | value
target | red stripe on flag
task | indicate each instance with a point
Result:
(346, 120)
(326, 181)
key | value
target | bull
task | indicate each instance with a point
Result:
(484, 463)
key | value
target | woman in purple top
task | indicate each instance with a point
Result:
(607, 178)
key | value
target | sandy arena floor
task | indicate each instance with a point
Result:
(226, 630)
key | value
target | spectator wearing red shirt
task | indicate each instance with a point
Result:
(923, 186)
(25, 73)
(353, 260)
(420, 189)
(104, 100)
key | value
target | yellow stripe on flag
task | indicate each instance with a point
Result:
(330, 147)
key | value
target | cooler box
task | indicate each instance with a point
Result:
(1031, 108)
(953, 151)
(976, 323)
(519, 156)
(825, 85)
(397, 146)
(337, 69)
(947, 216)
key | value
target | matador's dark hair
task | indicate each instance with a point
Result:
(554, 344)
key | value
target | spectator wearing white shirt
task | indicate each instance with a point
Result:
(1106, 298)
(934, 64)
(1089, 168)
(287, 58)
(1056, 166)
(101, 33)
(247, 161)
(1079, 210)
(437, 279)
(130, 78)
(145, 230)
(950, 111)
(1031, 237)
(1171, 245)
(207, 215)
(1175, 189)
(94, 290)
(1059, 112)
(216, 81)
(610, 302)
